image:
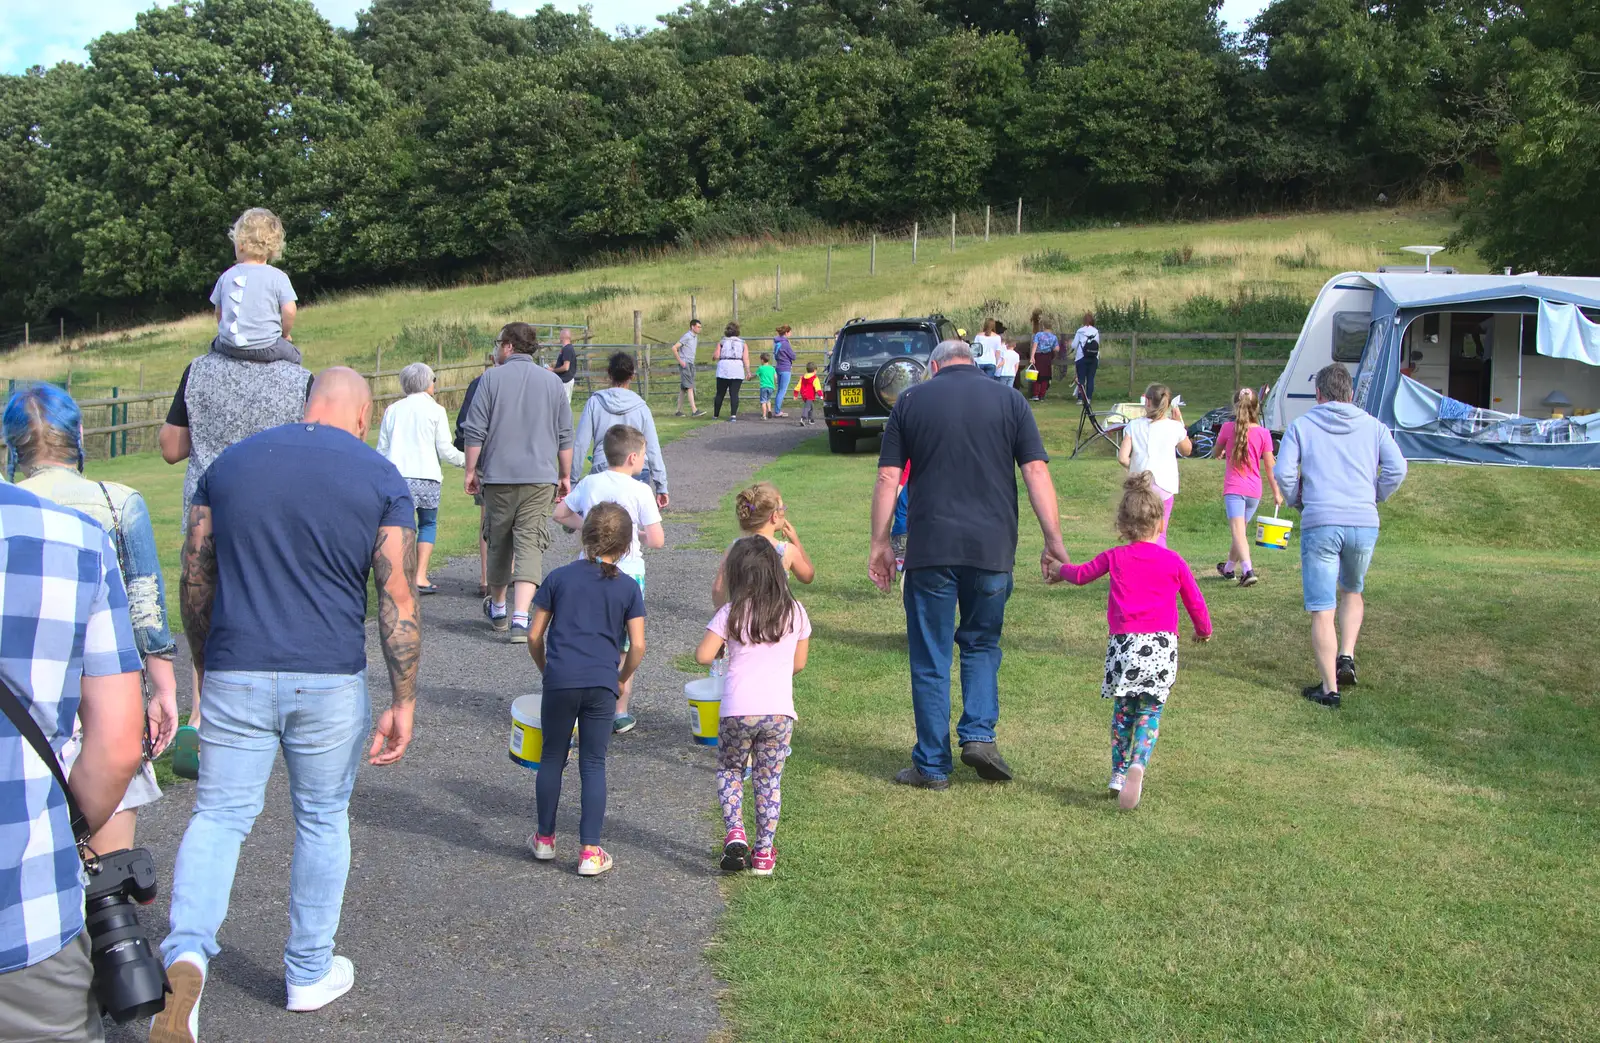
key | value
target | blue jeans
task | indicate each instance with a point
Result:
(932, 596)
(1331, 554)
(987, 367)
(427, 527)
(320, 721)
(1085, 368)
(784, 376)
(593, 710)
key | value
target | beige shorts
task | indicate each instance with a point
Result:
(516, 525)
(53, 999)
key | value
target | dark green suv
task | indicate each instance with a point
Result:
(872, 362)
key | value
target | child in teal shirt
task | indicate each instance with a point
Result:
(767, 373)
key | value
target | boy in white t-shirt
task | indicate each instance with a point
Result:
(624, 447)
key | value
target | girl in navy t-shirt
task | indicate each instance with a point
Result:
(586, 615)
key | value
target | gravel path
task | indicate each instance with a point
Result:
(456, 933)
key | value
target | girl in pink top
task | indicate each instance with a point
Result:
(1142, 655)
(1248, 448)
(767, 634)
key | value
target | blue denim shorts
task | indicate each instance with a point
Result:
(1240, 506)
(1334, 558)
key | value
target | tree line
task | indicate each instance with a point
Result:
(442, 138)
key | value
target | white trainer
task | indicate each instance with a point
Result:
(1117, 779)
(1128, 799)
(179, 1021)
(340, 977)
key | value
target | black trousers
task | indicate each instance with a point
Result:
(1086, 367)
(730, 388)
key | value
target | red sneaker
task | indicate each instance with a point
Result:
(761, 862)
(735, 852)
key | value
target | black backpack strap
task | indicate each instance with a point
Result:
(30, 730)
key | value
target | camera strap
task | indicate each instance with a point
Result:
(30, 730)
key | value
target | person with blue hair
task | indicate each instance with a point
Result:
(44, 436)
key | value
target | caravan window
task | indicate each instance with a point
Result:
(1349, 335)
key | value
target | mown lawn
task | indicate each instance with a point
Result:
(1417, 865)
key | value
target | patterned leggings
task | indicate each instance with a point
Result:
(1135, 726)
(766, 741)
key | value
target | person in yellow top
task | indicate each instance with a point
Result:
(808, 392)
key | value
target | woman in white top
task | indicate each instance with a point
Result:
(1005, 370)
(415, 436)
(1153, 443)
(986, 348)
(733, 369)
(1083, 362)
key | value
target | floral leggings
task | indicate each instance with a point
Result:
(1135, 726)
(766, 741)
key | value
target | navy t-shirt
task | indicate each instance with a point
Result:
(966, 434)
(296, 511)
(588, 621)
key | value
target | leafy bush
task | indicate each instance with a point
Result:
(1247, 312)
(574, 299)
(1134, 315)
(1178, 257)
(747, 219)
(422, 344)
(1051, 261)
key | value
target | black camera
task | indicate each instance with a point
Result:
(129, 981)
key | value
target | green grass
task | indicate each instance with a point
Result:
(1228, 261)
(1418, 865)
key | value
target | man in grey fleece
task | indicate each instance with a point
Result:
(618, 404)
(1336, 464)
(518, 434)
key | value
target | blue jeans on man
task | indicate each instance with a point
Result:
(320, 721)
(933, 597)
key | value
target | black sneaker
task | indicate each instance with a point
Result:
(1344, 669)
(501, 622)
(985, 759)
(1315, 693)
(1224, 570)
(913, 776)
(1247, 578)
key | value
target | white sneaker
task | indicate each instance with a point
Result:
(543, 848)
(179, 1022)
(1128, 799)
(340, 977)
(1117, 779)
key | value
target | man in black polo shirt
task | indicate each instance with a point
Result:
(966, 435)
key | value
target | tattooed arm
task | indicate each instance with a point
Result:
(394, 567)
(198, 586)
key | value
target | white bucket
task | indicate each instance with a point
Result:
(705, 709)
(1273, 532)
(527, 736)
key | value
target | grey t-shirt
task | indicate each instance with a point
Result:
(250, 296)
(688, 344)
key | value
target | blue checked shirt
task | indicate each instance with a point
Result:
(63, 615)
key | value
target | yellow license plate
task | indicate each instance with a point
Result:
(849, 396)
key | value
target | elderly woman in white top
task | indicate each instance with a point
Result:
(415, 436)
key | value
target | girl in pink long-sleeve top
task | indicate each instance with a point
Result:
(1142, 656)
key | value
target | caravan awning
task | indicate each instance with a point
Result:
(1409, 290)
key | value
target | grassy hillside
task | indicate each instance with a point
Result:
(1165, 266)
(1418, 865)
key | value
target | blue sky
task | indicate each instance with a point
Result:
(43, 32)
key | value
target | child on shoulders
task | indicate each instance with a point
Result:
(1147, 580)
(255, 302)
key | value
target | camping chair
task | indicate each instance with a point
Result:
(1107, 424)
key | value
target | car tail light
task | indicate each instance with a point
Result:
(844, 422)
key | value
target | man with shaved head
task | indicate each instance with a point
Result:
(284, 530)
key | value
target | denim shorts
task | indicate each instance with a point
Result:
(1334, 554)
(1240, 506)
(768, 394)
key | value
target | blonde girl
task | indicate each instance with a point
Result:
(1147, 580)
(1247, 446)
(761, 513)
(1152, 443)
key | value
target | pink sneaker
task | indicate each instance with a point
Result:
(761, 862)
(735, 852)
(543, 848)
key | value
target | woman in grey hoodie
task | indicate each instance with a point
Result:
(615, 405)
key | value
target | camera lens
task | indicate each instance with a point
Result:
(129, 980)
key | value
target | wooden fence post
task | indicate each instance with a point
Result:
(692, 313)
(872, 256)
(61, 330)
(736, 300)
(987, 208)
(1133, 350)
(638, 340)
(1019, 215)
(377, 368)
(440, 366)
(914, 231)
(27, 334)
(141, 376)
(952, 231)
(827, 277)
(1238, 362)
(777, 290)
